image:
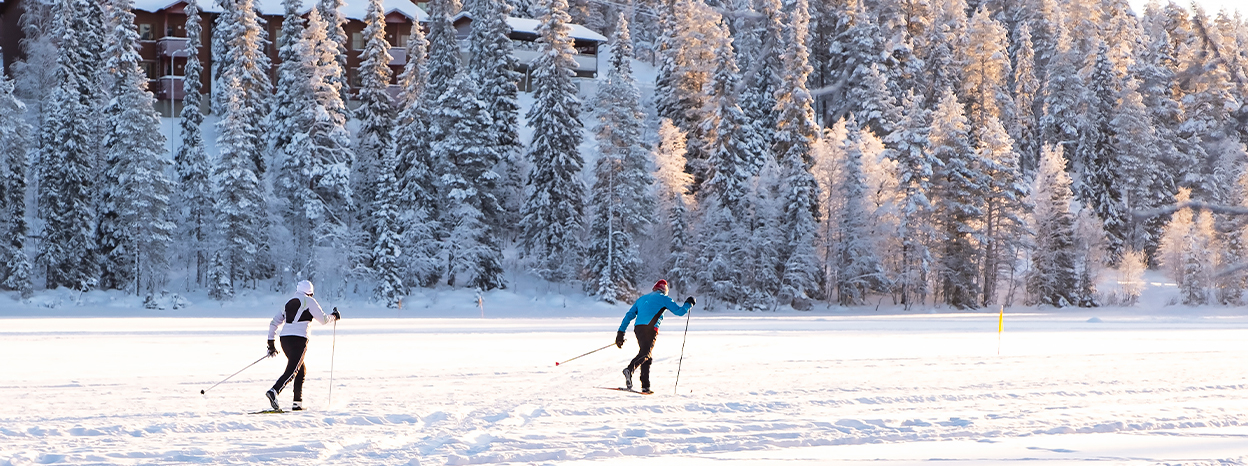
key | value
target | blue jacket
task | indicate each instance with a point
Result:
(647, 308)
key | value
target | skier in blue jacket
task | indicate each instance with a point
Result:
(648, 311)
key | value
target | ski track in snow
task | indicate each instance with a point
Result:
(461, 391)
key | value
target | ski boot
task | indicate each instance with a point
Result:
(297, 407)
(272, 396)
(628, 378)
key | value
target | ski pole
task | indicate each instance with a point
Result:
(205, 391)
(586, 354)
(682, 351)
(333, 347)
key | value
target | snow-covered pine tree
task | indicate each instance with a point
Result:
(762, 47)
(136, 161)
(1199, 260)
(1063, 94)
(474, 256)
(1100, 185)
(1004, 235)
(958, 187)
(241, 95)
(1052, 276)
(555, 195)
(493, 69)
(444, 58)
(724, 257)
(66, 167)
(1026, 126)
(191, 161)
(375, 113)
(1089, 256)
(875, 110)
(946, 37)
(859, 271)
(387, 227)
(620, 200)
(415, 170)
(34, 74)
(796, 133)
(674, 203)
(319, 161)
(240, 199)
(1135, 144)
(985, 72)
(286, 102)
(907, 147)
(240, 39)
(15, 147)
(331, 11)
(686, 64)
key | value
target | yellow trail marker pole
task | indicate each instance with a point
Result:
(1000, 328)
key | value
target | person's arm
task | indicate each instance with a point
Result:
(678, 309)
(277, 322)
(317, 313)
(632, 314)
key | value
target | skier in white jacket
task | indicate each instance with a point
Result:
(299, 311)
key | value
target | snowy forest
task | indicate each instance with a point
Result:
(787, 153)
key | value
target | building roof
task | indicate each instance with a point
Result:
(352, 9)
(530, 26)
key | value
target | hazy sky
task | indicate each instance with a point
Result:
(1211, 6)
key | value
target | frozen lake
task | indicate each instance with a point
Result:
(894, 390)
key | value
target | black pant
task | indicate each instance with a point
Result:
(295, 348)
(646, 335)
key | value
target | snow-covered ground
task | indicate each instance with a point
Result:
(1167, 385)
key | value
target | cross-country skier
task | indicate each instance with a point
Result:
(648, 310)
(299, 310)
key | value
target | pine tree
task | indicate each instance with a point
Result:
(191, 162)
(795, 135)
(985, 71)
(1025, 130)
(1090, 256)
(444, 58)
(34, 75)
(683, 79)
(331, 12)
(493, 68)
(474, 257)
(1063, 96)
(1004, 232)
(136, 161)
(376, 113)
(288, 98)
(959, 188)
(759, 81)
(859, 267)
(555, 194)
(907, 147)
(238, 54)
(415, 170)
(674, 201)
(67, 167)
(321, 150)
(387, 227)
(15, 147)
(620, 200)
(724, 257)
(1099, 186)
(1052, 276)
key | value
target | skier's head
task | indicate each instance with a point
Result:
(660, 286)
(304, 287)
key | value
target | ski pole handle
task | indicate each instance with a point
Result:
(205, 391)
(586, 354)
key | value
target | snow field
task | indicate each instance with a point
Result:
(753, 390)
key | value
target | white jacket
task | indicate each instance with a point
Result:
(297, 313)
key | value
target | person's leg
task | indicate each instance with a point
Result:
(295, 348)
(303, 370)
(645, 341)
(651, 334)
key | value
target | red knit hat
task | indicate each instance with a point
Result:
(660, 285)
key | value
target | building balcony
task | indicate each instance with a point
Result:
(398, 56)
(172, 46)
(169, 87)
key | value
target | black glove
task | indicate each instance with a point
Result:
(336, 315)
(272, 349)
(690, 301)
(619, 339)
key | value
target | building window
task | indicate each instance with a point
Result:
(149, 69)
(402, 42)
(356, 79)
(145, 32)
(357, 41)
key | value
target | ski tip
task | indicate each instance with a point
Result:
(201, 392)
(556, 364)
